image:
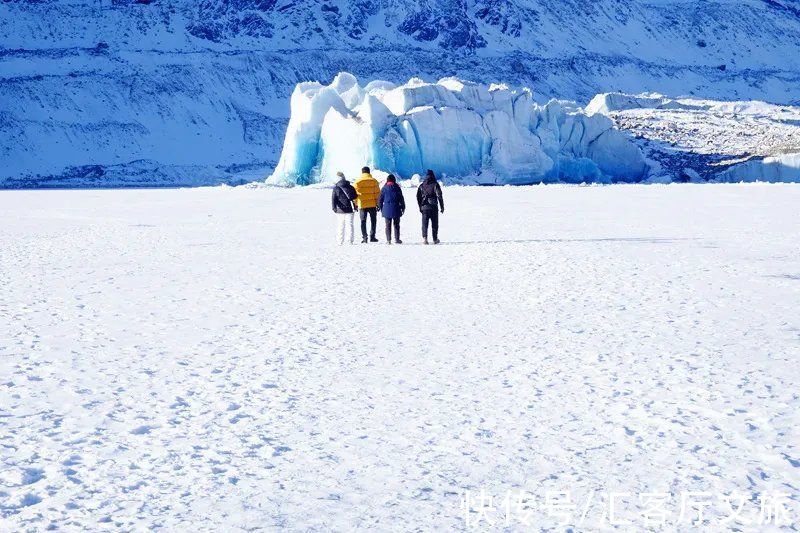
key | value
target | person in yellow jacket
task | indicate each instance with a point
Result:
(368, 192)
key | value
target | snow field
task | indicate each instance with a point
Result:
(208, 359)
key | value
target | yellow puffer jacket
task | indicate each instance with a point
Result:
(368, 191)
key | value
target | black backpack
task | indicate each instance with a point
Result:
(349, 192)
(345, 195)
(429, 197)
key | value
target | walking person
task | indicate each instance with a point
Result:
(392, 206)
(431, 203)
(368, 192)
(343, 201)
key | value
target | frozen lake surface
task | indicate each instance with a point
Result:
(208, 359)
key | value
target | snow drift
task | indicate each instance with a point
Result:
(469, 132)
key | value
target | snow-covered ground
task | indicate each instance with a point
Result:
(207, 359)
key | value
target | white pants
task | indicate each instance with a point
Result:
(342, 220)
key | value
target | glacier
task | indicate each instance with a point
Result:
(701, 140)
(467, 132)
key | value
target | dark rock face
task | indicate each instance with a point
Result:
(200, 90)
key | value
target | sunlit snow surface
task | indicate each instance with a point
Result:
(470, 132)
(208, 359)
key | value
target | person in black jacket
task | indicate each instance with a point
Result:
(430, 201)
(343, 202)
(392, 205)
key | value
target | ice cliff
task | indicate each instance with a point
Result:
(692, 139)
(469, 132)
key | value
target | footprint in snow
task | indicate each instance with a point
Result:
(71, 474)
(423, 494)
(31, 476)
(142, 430)
(484, 433)
(72, 461)
(234, 419)
(280, 450)
(26, 501)
(794, 462)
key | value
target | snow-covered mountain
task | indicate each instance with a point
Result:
(149, 92)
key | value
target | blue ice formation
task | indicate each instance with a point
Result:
(468, 132)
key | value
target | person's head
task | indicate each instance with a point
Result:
(430, 174)
(365, 170)
(391, 179)
(340, 175)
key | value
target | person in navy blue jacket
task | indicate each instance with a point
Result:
(392, 206)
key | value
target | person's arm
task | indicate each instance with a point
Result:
(402, 201)
(380, 200)
(333, 199)
(419, 197)
(441, 199)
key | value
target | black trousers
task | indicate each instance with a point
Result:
(433, 218)
(389, 222)
(373, 214)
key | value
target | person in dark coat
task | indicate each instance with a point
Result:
(431, 203)
(343, 202)
(392, 206)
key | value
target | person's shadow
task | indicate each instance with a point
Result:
(642, 240)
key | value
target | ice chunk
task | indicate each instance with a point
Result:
(579, 170)
(608, 102)
(782, 168)
(419, 94)
(301, 149)
(516, 154)
(405, 148)
(378, 88)
(617, 157)
(346, 85)
(473, 95)
(470, 132)
(347, 144)
(451, 139)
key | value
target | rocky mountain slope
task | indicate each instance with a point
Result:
(149, 92)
